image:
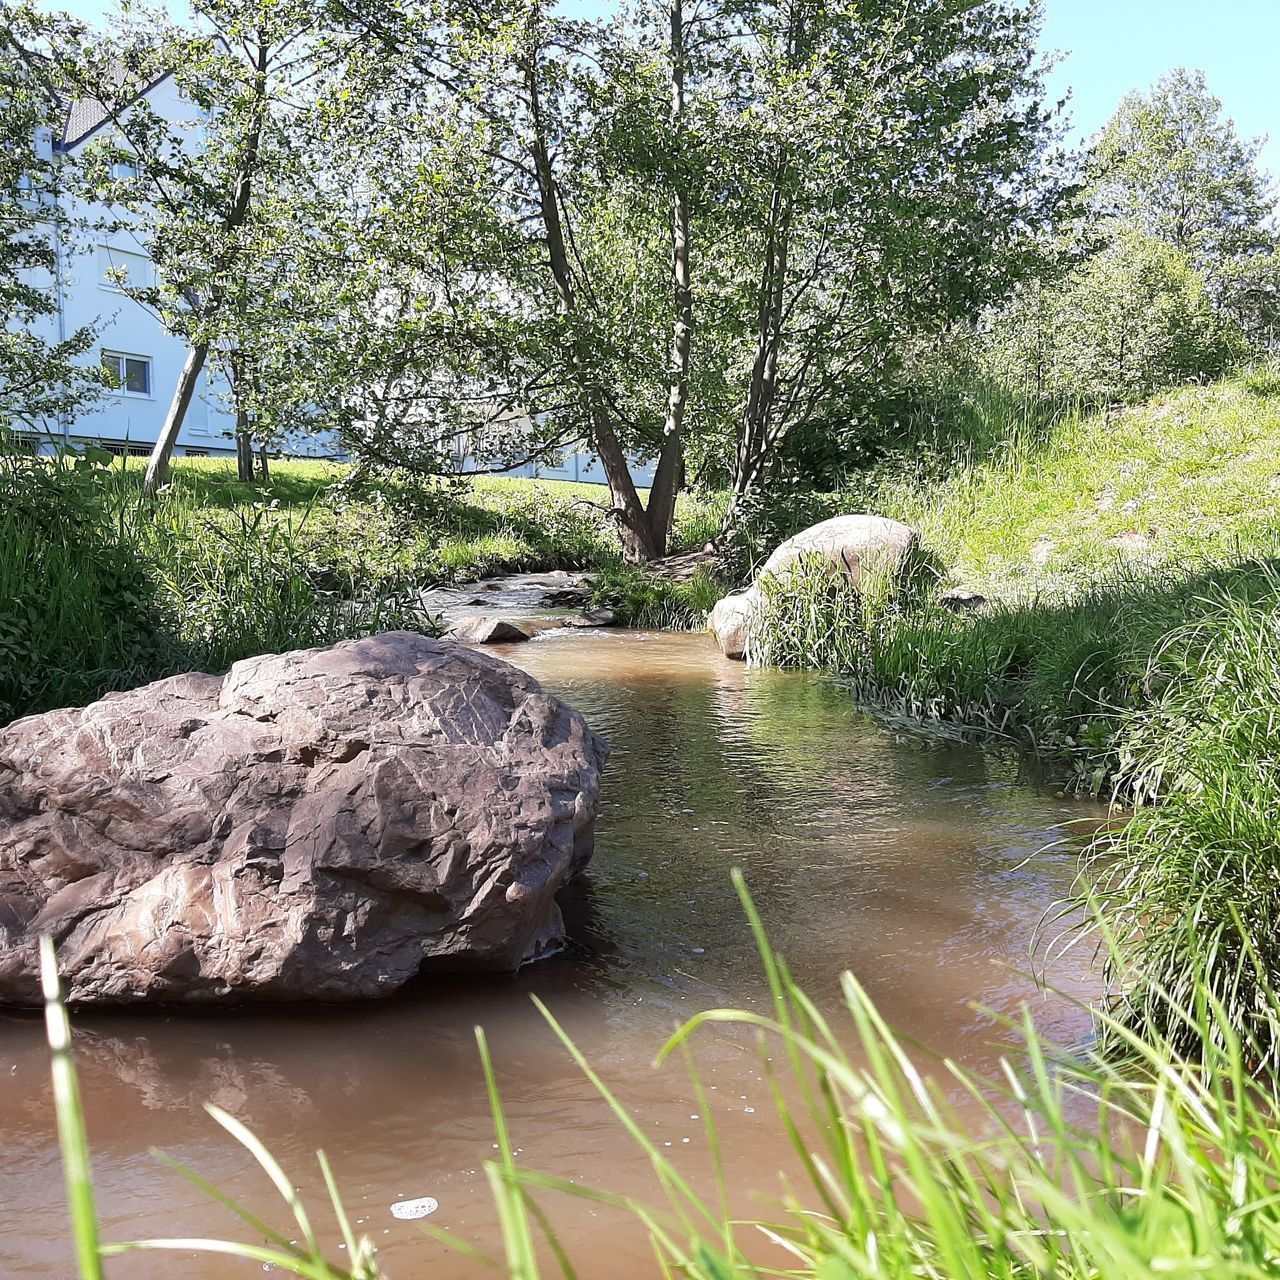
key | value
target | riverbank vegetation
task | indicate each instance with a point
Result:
(101, 589)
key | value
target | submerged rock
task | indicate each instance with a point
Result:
(317, 825)
(847, 544)
(488, 631)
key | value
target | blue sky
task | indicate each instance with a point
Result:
(1112, 46)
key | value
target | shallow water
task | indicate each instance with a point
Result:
(917, 865)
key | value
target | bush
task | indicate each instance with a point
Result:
(1133, 319)
(101, 591)
(79, 611)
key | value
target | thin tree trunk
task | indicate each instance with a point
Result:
(262, 462)
(244, 449)
(244, 438)
(633, 525)
(158, 464)
(668, 475)
(754, 443)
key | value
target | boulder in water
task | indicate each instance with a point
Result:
(316, 825)
(488, 631)
(846, 544)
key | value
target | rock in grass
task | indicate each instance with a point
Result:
(488, 631)
(847, 544)
(317, 825)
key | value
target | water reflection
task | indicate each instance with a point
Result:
(906, 862)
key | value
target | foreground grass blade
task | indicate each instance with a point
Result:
(71, 1132)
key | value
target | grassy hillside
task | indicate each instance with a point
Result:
(1131, 641)
(1014, 503)
(1193, 476)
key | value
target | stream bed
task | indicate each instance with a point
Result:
(923, 867)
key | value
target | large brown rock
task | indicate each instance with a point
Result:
(846, 544)
(318, 825)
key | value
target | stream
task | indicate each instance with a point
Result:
(924, 867)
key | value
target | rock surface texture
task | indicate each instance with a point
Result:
(845, 543)
(318, 825)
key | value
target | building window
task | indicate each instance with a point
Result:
(130, 375)
(120, 269)
(122, 448)
(125, 169)
(195, 453)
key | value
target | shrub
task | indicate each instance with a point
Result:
(79, 611)
(1133, 319)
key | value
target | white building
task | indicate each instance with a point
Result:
(132, 344)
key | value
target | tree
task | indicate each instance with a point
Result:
(1170, 165)
(1133, 319)
(699, 228)
(40, 379)
(892, 174)
(221, 198)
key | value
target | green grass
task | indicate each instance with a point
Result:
(1072, 1166)
(1204, 862)
(1019, 501)
(1131, 642)
(1093, 538)
(100, 590)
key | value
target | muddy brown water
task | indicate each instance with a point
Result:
(921, 867)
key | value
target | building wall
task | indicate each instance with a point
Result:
(584, 468)
(92, 297)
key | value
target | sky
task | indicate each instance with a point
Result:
(1110, 47)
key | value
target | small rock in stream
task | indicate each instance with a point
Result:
(594, 618)
(488, 631)
(565, 598)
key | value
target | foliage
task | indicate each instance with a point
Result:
(237, 201)
(1168, 269)
(41, 382)
(1204, 860)
(845, 175)
(1074, 1166)
(645, 599)
(79, 613)
(1169, 165)
(1133, 319)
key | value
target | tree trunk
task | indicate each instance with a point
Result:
(158, 464)
(244, 437)
(262, 462)
(668, 475)
(755, 440)
(633, 524)
(244, 452)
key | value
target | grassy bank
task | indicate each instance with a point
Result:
(101, 591)
(1130, 640)
(1093, 539)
